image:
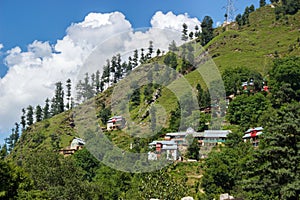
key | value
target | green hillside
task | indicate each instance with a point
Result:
(254, 46)
(251, 46)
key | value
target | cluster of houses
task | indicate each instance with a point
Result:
(177, 142)
(174, 143)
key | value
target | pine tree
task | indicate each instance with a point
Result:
(191, 35)
(16, 135)
(262, 3)
(38, 113)
(158, 52)
(207, 30)
(129, 65)
(143, 57)
(172, 46)
(106, 72)
(87, 88)
(9, 141)
(97, 81)
(239, 20)
(23, 119)
(113, 67)
(274, 171)
(29, 116)
(59, 99)
(68, 85)
(197, 32)
(118, 73)
(135, 58)
(184, 36)
(150, 50)
(46, 112)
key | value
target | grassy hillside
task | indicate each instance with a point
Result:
(253, 46)
(256, 45)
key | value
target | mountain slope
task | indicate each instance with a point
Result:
(256, 45)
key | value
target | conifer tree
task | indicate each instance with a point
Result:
(172, 46)
(23, 119)
(46, 111)
(197, 32)
(59, 98)
(158, 52)
(106, 72)
(97, 82)
(207, 30)
(191, 35)
(150, 50)
(262, 3)
(68, 85)
(143, 58)
(16, 133)
(274, 171)
(135, 58)
(184, 36)
(29, 116)
(38, 113)
(118, 73)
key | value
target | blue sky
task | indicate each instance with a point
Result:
(23, 21)
(33, 31)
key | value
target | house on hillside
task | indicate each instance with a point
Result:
(206, 138)
(252, 135)
(160, 148)
(116, 123)
(76, 144)
(180, 137)
(212, 137)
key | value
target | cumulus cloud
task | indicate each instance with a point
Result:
(172, 21)
(1, 46)
(32, 73)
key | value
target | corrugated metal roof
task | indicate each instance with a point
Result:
(176, 134)
(117, 118)
(248, 135)
(216, 133)
(164, 142)
(254, 129)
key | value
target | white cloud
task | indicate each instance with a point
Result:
(173, 21)
(85, 47)
(1, 46)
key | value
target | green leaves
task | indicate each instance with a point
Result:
(275, 166)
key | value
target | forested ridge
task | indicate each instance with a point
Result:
(32, 168)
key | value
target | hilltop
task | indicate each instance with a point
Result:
(256, 45)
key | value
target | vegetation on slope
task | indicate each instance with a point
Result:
(35, 170)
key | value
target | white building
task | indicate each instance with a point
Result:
(115, 123)
(168, 148)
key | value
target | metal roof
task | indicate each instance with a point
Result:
(248, 135)
(164, 142)
(254, 129)
(216, 133)
(117, 118)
